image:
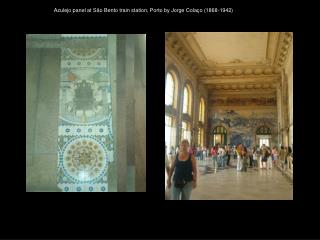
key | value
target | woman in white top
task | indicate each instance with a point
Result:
(221, 155)
(239, 149)
(254, 157)
(269, 161)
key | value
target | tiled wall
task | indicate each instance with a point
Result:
(76, 125)
(243, 124)
(85, 137)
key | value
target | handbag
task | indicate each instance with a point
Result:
(180, 183)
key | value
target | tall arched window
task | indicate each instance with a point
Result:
(201, 119)
(170, 89)
(185, 100)
(201, 110)
(170, 117)
(187, 96)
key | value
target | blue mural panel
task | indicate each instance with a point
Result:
(242, 127)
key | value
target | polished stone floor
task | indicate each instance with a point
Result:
(255, 184)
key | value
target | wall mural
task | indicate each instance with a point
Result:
(85, 139)
(242, 126)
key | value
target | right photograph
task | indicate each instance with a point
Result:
(229, 116)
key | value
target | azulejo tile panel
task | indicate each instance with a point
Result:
(85, 138)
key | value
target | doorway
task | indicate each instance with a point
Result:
(219, 135)
(263, 136)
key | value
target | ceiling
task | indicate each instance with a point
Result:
(233, 63)
(233, 47)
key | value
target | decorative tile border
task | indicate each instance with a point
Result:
(84, 63)
(83, 35)
(91, 130)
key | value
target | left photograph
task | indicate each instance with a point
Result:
(85, 103)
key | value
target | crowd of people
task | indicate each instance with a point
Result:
(181, 163)
(255, 157)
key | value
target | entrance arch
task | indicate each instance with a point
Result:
(219, 135)
(263, 136)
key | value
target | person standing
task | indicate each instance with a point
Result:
(221, 156)
(269, 158)
(204, 151)
(250, 157)
(192, 150)
(199, 153)
(264, 157)
(172, 152)
(281, 157)
(234, 153)
(259, 157)
(207, 151)
(254, 157)
(244, 156)
(228, 153)
(289, 155)
(214, 158)
(185, 173)
(167, 164)
(239, 149)
(275, 155)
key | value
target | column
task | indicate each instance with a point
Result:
(279, 113)
(121, 136)
(140, 113)
(32, 84)
(112, 52)
(285, 107)
(41, 173)
(130, 110)
(179, 107)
